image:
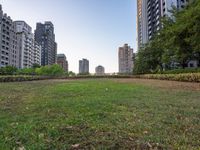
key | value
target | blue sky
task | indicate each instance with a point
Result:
(92, 29)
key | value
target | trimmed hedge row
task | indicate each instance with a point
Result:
(180, 71)
(21, 78)
(186, 77)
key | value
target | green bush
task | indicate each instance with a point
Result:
(19, 78)
(71, 74)
(179, 71)
(8, 70)
(186, 77)
(53, 70)
(26, 71)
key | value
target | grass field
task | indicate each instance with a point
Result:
(99, 114)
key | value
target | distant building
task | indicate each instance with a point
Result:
(100, 70)
(9, 52)
(29, 50)
(44, 35)
(62, 61)
(84, 66)
(125, 55)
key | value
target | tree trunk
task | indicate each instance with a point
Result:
(184, 65)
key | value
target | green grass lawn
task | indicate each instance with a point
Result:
(97, 114)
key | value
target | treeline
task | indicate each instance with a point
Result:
(52, 70)
(175, 45)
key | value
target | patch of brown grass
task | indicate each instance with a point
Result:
(171, 85)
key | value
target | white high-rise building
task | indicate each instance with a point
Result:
(9, 52)
(29, 50)
(37, 53)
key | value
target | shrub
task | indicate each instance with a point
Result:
(19, 78)
(53, 70)
(178, 71)
(187, 77)
(8, 70)
(26, 71)
(71, 74)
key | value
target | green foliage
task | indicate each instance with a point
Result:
(19, 78)
(84, 74)
(36, 66)
(178, 41)
(149, 57)
(53, 70)
(26, 71)
(186, 77)
(71, 74)
(8, 70)
(179, 71)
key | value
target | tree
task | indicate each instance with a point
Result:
(71, 74)
(53, 70)
(178, 41)
(149, 57)
(26, 71)
(36, 66)
(193, 16)
(8, 70)
(184, 34)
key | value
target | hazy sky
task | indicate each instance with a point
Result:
(92, 29)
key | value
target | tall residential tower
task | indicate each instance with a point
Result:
(142, 22)
(84, 66)
(9, 52)
(17, 45)
(29, 50)
(44, 35)
(126, 63)
(62, 61)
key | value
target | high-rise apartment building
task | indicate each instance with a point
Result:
(182, 3)
(29, 50)
(83, 66)
(54, 52)
(126, 63)
(17, 45)
(100, 70)
(62, 61)
(37, 53)
(44, 35)
(142, 22)
(9, 53)
(149, 13)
